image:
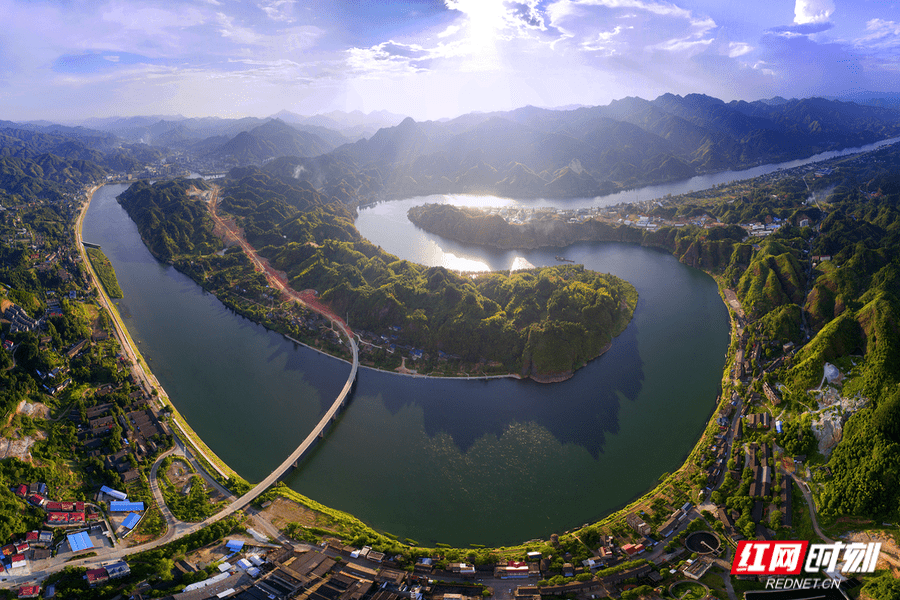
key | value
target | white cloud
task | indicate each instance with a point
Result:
(150, 20)
(880, 34)
(278, 10)
(658, 25)
(605, 41)
(813, 11)
(736, 49)
(658, 8)
(701, 27)
(764, 68)
(385, 59)
(450, 31)
(682, 45)
(289, 39)
(241, 35)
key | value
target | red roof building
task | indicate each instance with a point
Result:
(76, 517)
(32, 536)
(29, 591)
(56, 518)
(21, 547)
(95, 576)
(22, 490)
(8, 550)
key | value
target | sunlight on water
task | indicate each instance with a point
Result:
(459, 263)
(474, 200)
(438, 256)
(520, 263)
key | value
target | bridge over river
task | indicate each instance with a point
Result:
(177, 530)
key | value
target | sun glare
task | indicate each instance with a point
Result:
(484, 20)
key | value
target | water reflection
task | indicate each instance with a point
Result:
(581, 410)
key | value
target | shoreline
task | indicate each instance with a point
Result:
(139, 363)
(637, 499)
(379, 197)
(362, 366)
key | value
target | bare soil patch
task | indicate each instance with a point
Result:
(283, 511)
(20, 449)
(179, 473)
(890, 552)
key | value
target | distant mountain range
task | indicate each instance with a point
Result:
(870, 98)
(595, 150)
(526, 152)
(180, 132)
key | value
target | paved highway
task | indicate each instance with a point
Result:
(181, 529)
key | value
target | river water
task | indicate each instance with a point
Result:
(461, 462)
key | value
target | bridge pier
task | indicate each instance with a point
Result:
(293, 461)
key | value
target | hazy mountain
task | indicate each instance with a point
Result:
(352, 126)
(534, 151)
(529, 151)
(270, 140)
(870, 98)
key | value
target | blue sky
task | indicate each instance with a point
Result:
(68, 60)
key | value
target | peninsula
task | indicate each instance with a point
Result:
(539, 323)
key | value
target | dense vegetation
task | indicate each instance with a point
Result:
(693, 245)
(848, 303)
(543, 323)
(105, 272)
(169, 225)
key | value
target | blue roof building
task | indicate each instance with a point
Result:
(114, 493)
(131, 521)
(79, 541)
(123, 506)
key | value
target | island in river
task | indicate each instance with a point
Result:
(539, 323)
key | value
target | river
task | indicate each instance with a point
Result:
(454, 461)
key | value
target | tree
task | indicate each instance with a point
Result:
(885, 587)
(164, 567)
(775, 519)
(749, 530)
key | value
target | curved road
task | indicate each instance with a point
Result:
(812, 505)
(176, 529)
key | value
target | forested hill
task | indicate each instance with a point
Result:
(55, 162)
(542, 323)
(533, 152)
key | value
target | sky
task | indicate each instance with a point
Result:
(66, 60)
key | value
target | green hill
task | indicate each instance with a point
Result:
(541, 323)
